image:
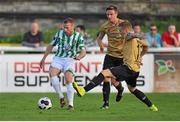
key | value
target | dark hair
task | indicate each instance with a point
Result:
(69, 20)
(82, 27)
(152, 24)
(126, 24)
(112, 7)
(136, 24)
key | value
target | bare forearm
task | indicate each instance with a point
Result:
(99, 39)
(81, 55)
(144, 51)
(100, 43)
(48, 51)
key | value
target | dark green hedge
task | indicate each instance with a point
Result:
(162, 26)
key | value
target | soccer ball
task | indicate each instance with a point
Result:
(44, 103)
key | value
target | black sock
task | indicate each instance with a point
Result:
(119, 87)
(141, 96)
(106, 92)
(96, 81)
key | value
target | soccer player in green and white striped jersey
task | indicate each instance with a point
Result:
(70, 46)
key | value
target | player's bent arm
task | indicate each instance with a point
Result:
(48, 50)
(81, 55)
(144, 50)
(145, 46)
(99, 39)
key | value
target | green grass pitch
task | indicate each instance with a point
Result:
(23, 106)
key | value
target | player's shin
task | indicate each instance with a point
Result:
(106, 92)
(70, 94)
(141, 96)
(96, 81)
(56, 86)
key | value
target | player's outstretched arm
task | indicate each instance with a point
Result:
(48, 50)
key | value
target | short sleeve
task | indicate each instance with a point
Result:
(81, 44)
(143, 42)
(56, 39)
(103, 28)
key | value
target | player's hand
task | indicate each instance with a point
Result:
(42, 63)
(141, 61)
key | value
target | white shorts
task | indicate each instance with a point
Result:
(63, 64)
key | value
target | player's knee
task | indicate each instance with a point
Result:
(68, 77)
(115, 83)
(54, 72)
(106, 73)
(107, 79)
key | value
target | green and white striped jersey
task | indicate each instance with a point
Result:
(68, 46)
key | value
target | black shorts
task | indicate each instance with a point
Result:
(122, 72)
(110, 61)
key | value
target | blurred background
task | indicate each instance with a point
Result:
(16, 16)
(43, 18)
(27, 26)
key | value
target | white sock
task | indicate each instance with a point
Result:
(70, 94)
(56, 86)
